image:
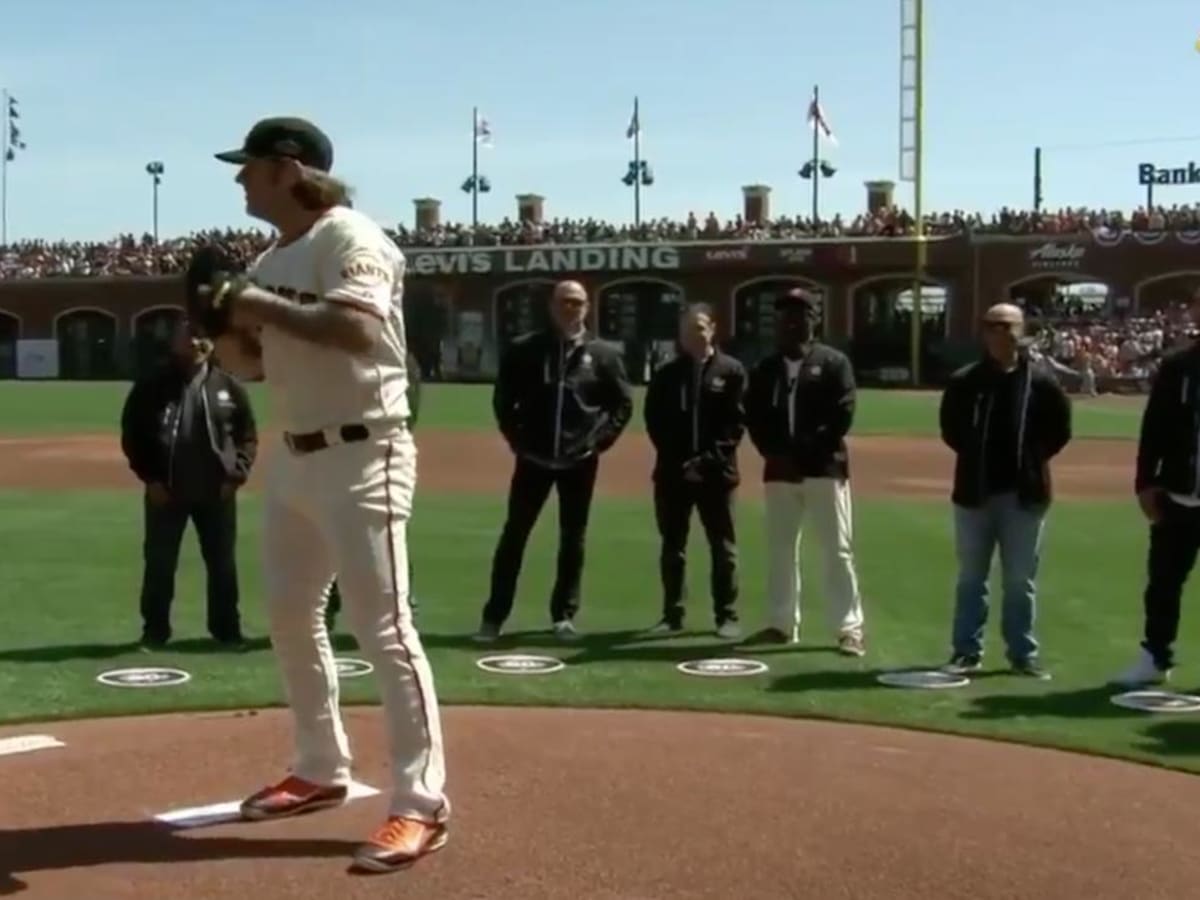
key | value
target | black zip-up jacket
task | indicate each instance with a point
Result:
(150, 422)
(825, 399)
(1043, 429)
(558, 403)
(1168, 454)
(697, 412)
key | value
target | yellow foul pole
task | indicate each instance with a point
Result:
(918, 206)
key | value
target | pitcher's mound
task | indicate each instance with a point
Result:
(551, 804)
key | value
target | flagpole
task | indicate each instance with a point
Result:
(816, 155)
(637, 166)
(474, 172)
(4, 149)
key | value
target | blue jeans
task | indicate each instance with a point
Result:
(1017, 530)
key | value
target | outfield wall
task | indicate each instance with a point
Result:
(464, 305)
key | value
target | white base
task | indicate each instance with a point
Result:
(230, 811)
(27, 743)
(937, 680)
(1158, 702)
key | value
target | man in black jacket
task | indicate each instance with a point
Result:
(561, 400)
(1005, 418)
(1167, 484)
(799, 408)
(189, 434)
(695, 420)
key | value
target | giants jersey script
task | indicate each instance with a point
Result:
(344, 258)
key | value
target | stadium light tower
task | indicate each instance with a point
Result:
(155, 170)
(912, 64)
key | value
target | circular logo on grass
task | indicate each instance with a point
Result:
(150, 677)
(1158, 701)
(353, 668)
(520, 664)
(722, 668)
(923, 680)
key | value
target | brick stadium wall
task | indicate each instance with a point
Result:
(463, 305)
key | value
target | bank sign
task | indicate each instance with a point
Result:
(1148, 174)
(541, 260)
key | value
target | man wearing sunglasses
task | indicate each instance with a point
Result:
(1005, 418)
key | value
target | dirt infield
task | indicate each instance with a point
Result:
(467, 461)
(584, 804)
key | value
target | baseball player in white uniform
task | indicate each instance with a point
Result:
(321, 308)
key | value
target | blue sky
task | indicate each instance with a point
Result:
(106, 87)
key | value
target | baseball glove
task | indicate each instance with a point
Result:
(213, 282)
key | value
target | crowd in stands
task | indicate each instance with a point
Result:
(893, 222)
(131, 255)
(1097, 346)
(123, 255)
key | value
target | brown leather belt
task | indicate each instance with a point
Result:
(312, 441)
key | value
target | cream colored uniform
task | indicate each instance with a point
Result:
(345, 509)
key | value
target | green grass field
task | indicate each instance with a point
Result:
(72, 568)
(56, 407)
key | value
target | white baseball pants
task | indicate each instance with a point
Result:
(345, 509)
(825, 505)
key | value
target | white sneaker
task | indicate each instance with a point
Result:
(663, 627)
(565, 630)
(1142, 673)
(729, 631)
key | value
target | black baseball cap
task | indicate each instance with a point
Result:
(285, 137)
(798, 298)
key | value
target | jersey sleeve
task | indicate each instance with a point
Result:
(357, 269)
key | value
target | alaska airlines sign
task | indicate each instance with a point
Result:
(1148, 173)
(538, 260)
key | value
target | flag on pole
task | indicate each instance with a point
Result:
(483, 131)
(15, 142)
(817, 120)
(635, 125)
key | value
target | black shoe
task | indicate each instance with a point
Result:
(488, 633)
(236, 643)
(963, 664)
(1030, 668)
(150, 643)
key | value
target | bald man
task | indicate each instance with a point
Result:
(561, 399)
(1005, 418)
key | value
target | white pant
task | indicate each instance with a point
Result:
(345, 509)
(824, 503)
